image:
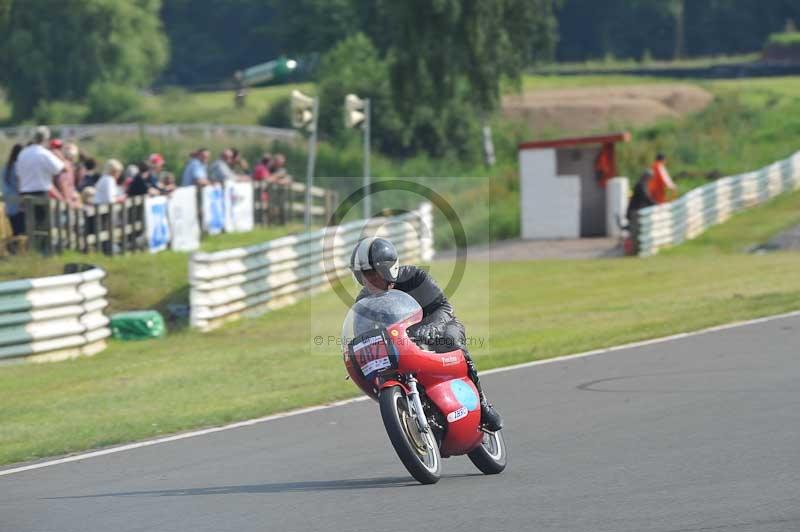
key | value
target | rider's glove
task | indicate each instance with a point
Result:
(425, 332)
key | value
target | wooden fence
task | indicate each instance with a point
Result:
(53, 227)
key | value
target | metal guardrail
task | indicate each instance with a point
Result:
(670, 224)
(84, 131)
(249, 281)
(53, 318)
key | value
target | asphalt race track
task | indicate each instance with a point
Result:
(695, 434)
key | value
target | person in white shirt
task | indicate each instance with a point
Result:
(106, 189)
(36, 168)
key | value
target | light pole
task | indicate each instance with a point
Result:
(357, 114)
(305, 114)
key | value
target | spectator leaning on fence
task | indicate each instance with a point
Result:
(148, 181)
(261, 170)
(89, 174)
(107, 190)
(221, 168)
(36, 168)
(65, 181)
(239, 164)
(11, 191)
(277, 170)
(195, 172)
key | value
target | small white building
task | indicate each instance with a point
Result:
(569, 188)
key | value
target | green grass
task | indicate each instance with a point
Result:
(250, 238)
(524, 311)
(786, 40)
(744, 230)
(615, 64)
(555, 81)
(140, 280)
(179, 106)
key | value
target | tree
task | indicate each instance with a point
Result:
(354, 66)
(448, 57)
(57, 50)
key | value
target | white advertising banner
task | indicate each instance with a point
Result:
(183, 219)
(213, 209)
(157, 224)
(238, 207)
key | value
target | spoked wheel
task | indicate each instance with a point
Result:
(417, 450)
(491, 456)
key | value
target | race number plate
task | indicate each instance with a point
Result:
(372, 355)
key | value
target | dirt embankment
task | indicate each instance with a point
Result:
(586, 110)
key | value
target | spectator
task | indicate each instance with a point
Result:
(90, 175)
(168, 181)
(641, 196)
(36, 168)
(107, 190)
(11, 192)
(148, 181)
(277, 170)
(239, 164)
(65, 181)
(661, 180)
(195, 172)
(261, 170)
(130, 173)
(221, 169)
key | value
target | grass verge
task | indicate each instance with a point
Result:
(140, 280)
(524, 311)
(744, 230)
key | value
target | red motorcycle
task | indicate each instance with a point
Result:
(430, 407)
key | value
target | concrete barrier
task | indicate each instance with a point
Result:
(53, 318)
(671, 223)
(249, 281)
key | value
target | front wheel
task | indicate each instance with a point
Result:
(417, 450)
(490, 456)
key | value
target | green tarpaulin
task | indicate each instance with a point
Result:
(138, 325)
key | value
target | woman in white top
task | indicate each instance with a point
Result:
(106, 189)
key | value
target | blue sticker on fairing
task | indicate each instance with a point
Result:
(464, 394)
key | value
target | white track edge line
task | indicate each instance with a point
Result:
(308, 410)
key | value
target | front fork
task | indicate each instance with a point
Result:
(415, 404)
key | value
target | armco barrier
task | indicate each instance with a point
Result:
(53, 318)
(669, 224)
(249, 281)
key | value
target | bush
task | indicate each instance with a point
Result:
(58, 112)
(114, 102)
(784, 40)
(279, 114)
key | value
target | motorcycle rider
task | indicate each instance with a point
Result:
(376, 267)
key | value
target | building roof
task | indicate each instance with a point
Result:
(576, 141)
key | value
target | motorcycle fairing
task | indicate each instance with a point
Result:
(452, 398)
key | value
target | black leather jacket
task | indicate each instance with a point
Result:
(416, 282)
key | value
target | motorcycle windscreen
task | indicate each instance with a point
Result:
(375, 312)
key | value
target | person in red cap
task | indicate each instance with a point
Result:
(148, 181)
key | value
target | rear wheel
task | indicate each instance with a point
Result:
(491, 456)
(417, 449)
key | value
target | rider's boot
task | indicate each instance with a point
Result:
(490, 418)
